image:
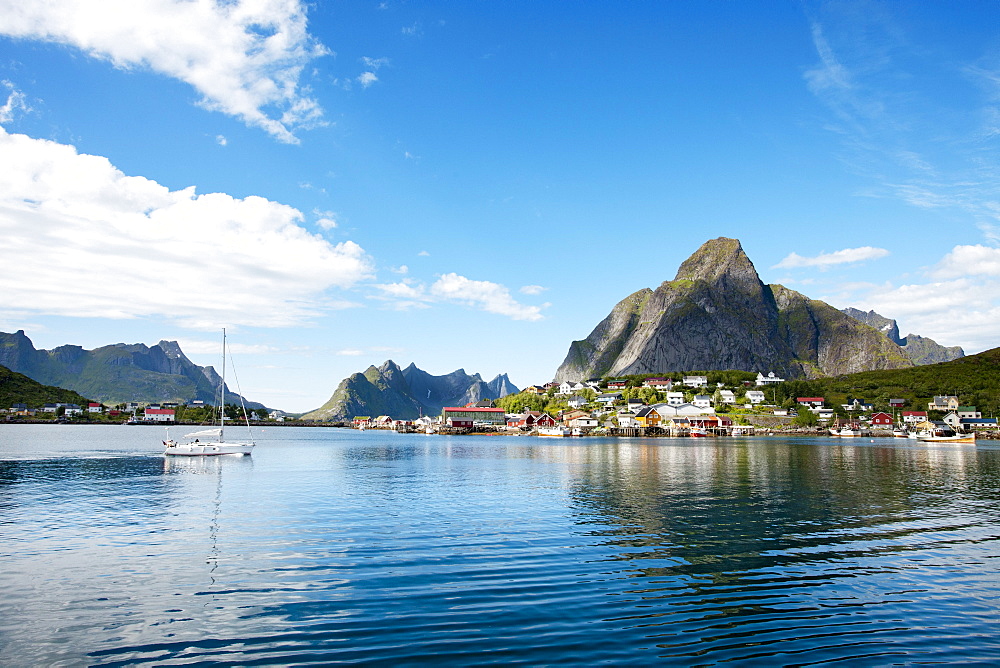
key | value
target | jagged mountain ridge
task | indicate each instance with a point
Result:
(116, 373)
(920, 349)
(717, 314)
(406, 393)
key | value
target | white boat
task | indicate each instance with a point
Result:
(214, 442)
(851, 430)
(553, 431)
(955, 438)
(699, 432)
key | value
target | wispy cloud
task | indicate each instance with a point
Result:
(15, 105)
(532, 290)
(845, 256)
(895, 126)
(244, 58)
(483, 295)
(93, 242)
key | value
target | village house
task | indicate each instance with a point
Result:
(470, 416)
(755, 397)
(880, 420)
(74, 409)
(897, 403)
(769, 379)
(658, 383)
(634, 404)
(968, 413)
(810, 402)
(576, 401)
(582, 422)
(667, 410)
(648, 416)
(626, 420)
(159, 415)
(617, 384)
(823, 414)
(952, 420)
(727, 397)
(569, 387)
(696, 381)
(534, 389)
(943, 403)
(95, 408)
(675, 398)
(914, 417)
(702, 401)
(609, 398)
(975, 424)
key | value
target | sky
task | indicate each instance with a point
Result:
(476, 184)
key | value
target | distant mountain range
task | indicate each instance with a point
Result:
(717, 314)
(407, 393)
(116, 373)
(919, 349)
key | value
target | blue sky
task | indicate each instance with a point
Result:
(476, 184)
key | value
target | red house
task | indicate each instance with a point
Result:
(617, 384)
(881, 420)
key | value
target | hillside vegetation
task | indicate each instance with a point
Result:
(18, 388)
(975, 380)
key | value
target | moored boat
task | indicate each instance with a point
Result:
(954, 438)
(553, 431)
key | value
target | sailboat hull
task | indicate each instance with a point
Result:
(206, 449)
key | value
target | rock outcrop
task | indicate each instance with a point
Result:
(920, 350)
(717, 314)
(406, 393)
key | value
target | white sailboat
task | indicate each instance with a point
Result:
(209, 442)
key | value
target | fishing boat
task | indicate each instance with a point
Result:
(699, 432)
(214, 442)
(850, 430)
(900, 432)
(954, 438)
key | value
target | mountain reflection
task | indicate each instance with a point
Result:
(726, 509)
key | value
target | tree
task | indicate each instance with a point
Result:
(806, 418)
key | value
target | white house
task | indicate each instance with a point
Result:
(583, 422)
(702, 401)
(727, 397)
(755, 396)
(914, 417)
(658, 383)
(159, 415)
(675, 398)
(769, 379)
(968, 413)
(576, 401)
(569, 387)
(696, 381)
(626, 420)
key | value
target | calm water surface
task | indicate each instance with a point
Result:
(332, 546)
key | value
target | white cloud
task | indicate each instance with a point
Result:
(351, 352)
(374, 63)
(401, 269)
(14, 105)
(243, 56)
(93, 242)
(490, 297)
(845, 256)
(221, 140)
(326, 220)
(366, 79)
(969, 261)
(532, 289)
(423, 253)
(483, 295)
(210, 347)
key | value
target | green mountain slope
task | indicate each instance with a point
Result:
(974, 379)
(18, 388)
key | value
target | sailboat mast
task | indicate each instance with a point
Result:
(222, 391)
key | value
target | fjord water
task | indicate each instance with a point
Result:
(330, 545)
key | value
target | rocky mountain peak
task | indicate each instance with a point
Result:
(721, 262)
